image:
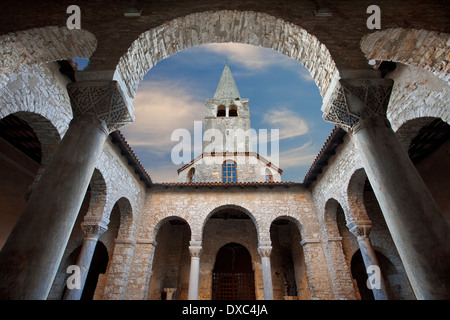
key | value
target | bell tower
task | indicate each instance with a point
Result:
(227, 116)
(227, 156)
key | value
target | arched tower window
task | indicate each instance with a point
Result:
(191, 175)
(229, 173)
(269, 176)
(232, 112)
(221, 111)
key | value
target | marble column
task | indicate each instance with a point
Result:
(361, 230)
(92, 231)
(195, 249)
(417, 226)
(31, 255)
(265, 251)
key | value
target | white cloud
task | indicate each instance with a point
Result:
(287, 121)
(301, 156)
(160, 108)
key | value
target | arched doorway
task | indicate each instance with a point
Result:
(233, 276)
(359, 274)
(98, 266)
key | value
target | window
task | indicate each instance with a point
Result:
(221, 111)
(191, 175)
(229, 173)
(269, 176)
(232, 112)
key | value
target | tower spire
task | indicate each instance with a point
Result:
(227, 88)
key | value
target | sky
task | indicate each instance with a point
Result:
(282, 95)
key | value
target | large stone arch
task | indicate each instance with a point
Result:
(421, 48)
(247, 27)
(42, 45)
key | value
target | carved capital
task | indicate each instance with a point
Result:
(103, 99)
(265, 251)
(195, 251)
(93, 231)
(356, 102)
(360, 229)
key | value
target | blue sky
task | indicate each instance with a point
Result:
(282, 95)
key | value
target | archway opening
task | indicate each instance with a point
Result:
(228, 224)
(359, 274)
(289, 276)
(98, 266)
(233, 276)
(294, 64)
(170, 270)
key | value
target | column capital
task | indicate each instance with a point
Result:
(356, 102)
(360, 229)
(265, 251)
(104, 99)
(92, 230)
(195, 248)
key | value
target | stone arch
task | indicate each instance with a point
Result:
(355, 196)
(28, 141)
(410, 128)
(198, 235)
(170, 262)
(120, 216)
(288, 263)
(99, 193)
(330, 219)
(42, 45)
(246, 27)
(45, 130)
(295, 221)
(421, 48)
(158, 225)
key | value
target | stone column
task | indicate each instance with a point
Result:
(417, 226)
(92, 232)
(195, 249)
(265, 251)
(31, 255)
(361, 230)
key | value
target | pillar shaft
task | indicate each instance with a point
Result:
(415, 222)
(194, 274)
(92, 233)
(31, 255)
(265, 252)
(361, 231)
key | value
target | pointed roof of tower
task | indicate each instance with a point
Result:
(227, 88)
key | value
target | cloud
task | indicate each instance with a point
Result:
(287, 121)
(160, 108)
(257, 58)
(296, 157)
